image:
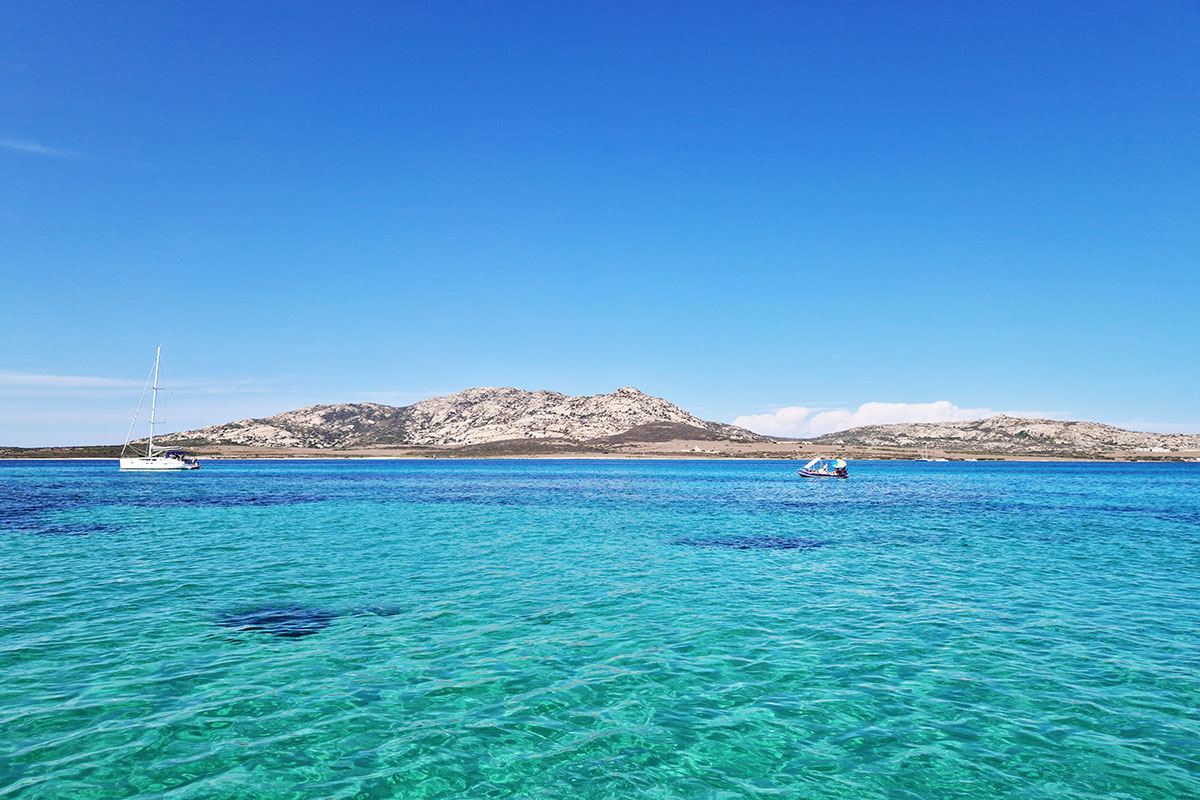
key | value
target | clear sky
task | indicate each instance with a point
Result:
(747, 209)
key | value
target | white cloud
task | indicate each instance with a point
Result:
(792, 421)
(33, 148)
(801, 422)
(18, 385)
(34, 381)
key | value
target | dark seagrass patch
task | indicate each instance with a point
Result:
(231, 500)
(752, 542)
(284, 622)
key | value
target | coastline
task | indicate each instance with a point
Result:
(675, 449)
(1183, 458)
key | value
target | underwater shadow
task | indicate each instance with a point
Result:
(751, 542)
(284, 622)
(294, 622)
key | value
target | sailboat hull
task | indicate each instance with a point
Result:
(158, 464)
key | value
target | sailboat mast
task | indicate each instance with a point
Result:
(153, 402)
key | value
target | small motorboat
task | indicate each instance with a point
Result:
(825, 468)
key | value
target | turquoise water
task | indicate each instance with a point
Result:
(600, 629)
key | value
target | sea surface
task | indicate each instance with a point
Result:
(600, 629)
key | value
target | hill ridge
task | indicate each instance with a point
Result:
(473, 416)
(1000, 433)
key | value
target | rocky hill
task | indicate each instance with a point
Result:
(469, 417)
(1014, 436)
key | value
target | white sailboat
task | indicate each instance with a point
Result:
(927, 455)
(156, 458)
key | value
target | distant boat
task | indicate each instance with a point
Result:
(156, 458)
(824, 468)
(927, 456)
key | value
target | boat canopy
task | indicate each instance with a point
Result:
(836, 462)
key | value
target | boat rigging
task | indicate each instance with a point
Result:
(156, 458)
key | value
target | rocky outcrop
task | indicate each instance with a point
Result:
(469, 417)
(1015, 436)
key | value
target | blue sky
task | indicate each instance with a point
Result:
(741, 209)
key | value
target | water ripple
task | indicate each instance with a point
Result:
(600, 629)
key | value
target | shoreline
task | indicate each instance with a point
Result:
(984, 459)
(667, 449)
